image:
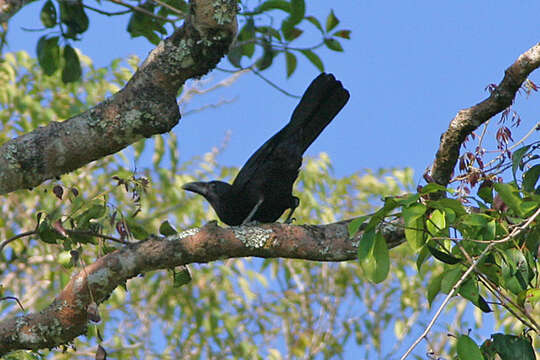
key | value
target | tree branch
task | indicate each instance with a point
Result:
(468, 120)
(144, 107)
(67, 316)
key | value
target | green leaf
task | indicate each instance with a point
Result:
(467, 349)
(434, 187)
(48, 14)
(407, 199)
(274, 4)
(137, 230)
(443, 256)
(367, 242)
(377, 264)
(166, 229)
(72, 70)
(48, 53)
(268, 31)
(333, 44)
(331, 21)
(344, 34)
(517, 156)
(515, 271)
(267, 58)
(298, 10)
(422, 256)
(73, 15)
(414, 225)
(511, 347)
(290, 59)
(450, 278)
(235, 56)
(436, 222)
(485, 191)
(315, 21)
(47, 233)
(469, 290)
(530, 178)
(445, 203)
(314, 59)
(247, 34)
(382, 259)
(95, 211)
(181, 276)
(434, 287)
(532, 296)
(508, 193)
(289, 31)
(355, 224)
(475, 220)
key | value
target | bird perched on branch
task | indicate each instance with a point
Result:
(262, 190)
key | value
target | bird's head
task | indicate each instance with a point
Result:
(213, 191)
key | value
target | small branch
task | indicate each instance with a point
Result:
(18, 236)
(172, 8)
(275, 86)
(12, 298)
(468, 120)
(106, 13)
(94, 234)
(517, 230)
(142, 10)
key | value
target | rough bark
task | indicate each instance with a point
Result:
(67, 316)
(144, 107)
(468, 120)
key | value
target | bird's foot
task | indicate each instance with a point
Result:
(251, 223)
(289, 221)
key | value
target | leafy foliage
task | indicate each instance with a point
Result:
(259, 39)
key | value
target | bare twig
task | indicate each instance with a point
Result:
(107, 13)
(13, 238)
(142, 10)
(12, 298)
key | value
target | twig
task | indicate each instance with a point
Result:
(12, 298)
(107, 13)
(18, 236)
(142, 10)
(505, 301)
(462, 279)
(94, 234)
(172, 8)
(274, 85)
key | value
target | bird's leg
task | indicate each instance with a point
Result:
(290, 219)
(253, 211)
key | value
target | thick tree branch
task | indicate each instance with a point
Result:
(67, 317)
(144, 107)
(468, 120)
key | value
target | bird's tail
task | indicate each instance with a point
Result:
(322, 101)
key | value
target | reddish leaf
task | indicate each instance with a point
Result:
(58, 191)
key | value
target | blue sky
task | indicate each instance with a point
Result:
(410, 67)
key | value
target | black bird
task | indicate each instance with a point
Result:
(262, 190)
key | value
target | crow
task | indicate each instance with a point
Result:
(262, 190)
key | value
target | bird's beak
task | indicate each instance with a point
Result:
(198, 187)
